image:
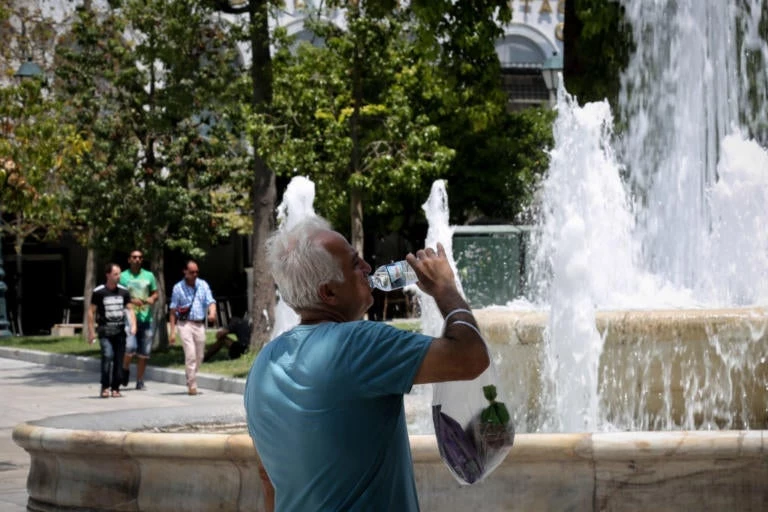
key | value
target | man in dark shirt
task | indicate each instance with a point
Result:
(238, 327)
(110, 303)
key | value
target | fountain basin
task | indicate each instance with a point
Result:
(659, 369)
(135, 459)
(113, 469)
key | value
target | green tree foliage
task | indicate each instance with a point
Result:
(36, 144)
(495, 150)
(162, 109)
(254, 17)
(188, 121)
(427, 104)
(598, 43)
(94, 75)
(510, 164)
(37, 147)
(312, 132)
(156, 85)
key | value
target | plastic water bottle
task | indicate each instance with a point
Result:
(393, 276)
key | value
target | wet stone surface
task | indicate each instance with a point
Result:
(200, 428)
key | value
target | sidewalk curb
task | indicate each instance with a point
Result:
(204, 380)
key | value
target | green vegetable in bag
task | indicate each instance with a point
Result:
(493, 431)
(496, 413)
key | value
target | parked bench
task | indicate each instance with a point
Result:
(66, 329)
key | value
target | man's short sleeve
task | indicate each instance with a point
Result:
(208, 295)
(95, 297)
(175, 293)
(383, 360)
(152, 282)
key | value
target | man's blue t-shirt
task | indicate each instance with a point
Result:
(324, 405)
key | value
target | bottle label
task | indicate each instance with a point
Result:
(396, 275)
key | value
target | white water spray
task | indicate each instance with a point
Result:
(695, 85)
(297, 205)
(673, 219)
(739, 241)
(439, 230)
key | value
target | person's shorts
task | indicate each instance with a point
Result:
(237, 349)
(141, 344)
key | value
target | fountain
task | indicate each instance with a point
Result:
(635, 370)
(670, 219)
(297, 204)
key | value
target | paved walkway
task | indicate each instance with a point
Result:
(32, 388)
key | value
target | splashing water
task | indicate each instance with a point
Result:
(695, 86)
(686, 225)
(297, 205)
(439, 230)
(738, 245)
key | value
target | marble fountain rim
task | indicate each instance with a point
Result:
(128, 433)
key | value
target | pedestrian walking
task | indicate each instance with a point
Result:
(142, 285)
(191, 303)
(110, 304)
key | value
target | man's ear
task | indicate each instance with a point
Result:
(327, 293)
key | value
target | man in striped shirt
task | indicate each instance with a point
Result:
(191, 303)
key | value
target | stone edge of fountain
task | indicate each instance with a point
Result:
(131, 468)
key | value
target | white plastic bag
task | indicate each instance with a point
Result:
(472, 434)
(471, 447)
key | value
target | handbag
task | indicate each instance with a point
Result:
(182, 312)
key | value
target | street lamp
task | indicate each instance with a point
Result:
(29, 69)
(551, 70)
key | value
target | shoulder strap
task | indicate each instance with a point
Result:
(194, 295)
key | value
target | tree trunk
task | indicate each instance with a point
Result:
(159, 310)
(263, 305)
(356, 194)
(263, 193)
(356, 217)
(90, 284)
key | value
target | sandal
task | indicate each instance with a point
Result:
(116, 394)
(104, 393)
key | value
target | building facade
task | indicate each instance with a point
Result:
(534, 36)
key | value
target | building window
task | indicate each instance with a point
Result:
(525, 87)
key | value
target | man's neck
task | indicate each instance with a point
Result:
(111, 286)
(135, 271)
(320, 315)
